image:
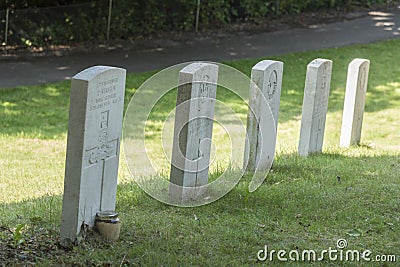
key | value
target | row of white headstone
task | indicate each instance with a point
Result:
(95, 125)
(267, 75)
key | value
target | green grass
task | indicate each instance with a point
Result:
(301, 205)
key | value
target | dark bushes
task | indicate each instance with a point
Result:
(34, 22)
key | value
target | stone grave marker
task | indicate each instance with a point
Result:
(197, 87)
(354, 102)
(266, 77)
(94, 137)
(315, 106)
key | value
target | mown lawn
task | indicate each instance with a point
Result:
(302, 204)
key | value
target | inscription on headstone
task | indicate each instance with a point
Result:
(265, 89)
(315, 106)
(94, 135)
(194, 115)
(354, 102)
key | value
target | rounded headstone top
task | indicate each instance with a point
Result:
(90, 73)
(318, 62)
(359, 61)
(264, 64)
(197, 66)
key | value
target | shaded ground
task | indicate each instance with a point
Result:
(35, 244)
(305, 32)
(302, 20)
(302, 195)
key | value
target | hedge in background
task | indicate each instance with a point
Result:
(72, 21)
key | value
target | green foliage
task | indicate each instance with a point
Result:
(18, 235)
(150, 16)
(87, 20)
(13, 4)
(58, 25)
(254, 10)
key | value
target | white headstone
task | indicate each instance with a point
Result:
(354, 102)
(266, 77)
(94, 137)
(315, 106)
(193, 131)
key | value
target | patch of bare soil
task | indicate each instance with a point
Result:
(34, 244)
(25, 247)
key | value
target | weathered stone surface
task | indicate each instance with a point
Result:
(94, 136)
(193, 130)
(354, 102)
(315, 106)
(265, 89)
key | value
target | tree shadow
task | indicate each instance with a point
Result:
(300, 197)
(42, 111)
(325, 170)
(37, 111)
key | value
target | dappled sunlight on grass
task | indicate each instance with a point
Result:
(159, 145)
(41, 113)
(35, 112)
(389, 92)
(305, 202)
(381, 129)
(34, 168)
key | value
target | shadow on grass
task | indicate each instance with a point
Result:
(301, 205)
(37, 111)
(42, 111)
(322, 169)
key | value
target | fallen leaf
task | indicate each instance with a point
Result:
(354, 233)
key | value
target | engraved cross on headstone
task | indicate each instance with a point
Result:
(97, 156)
(193, 131)
(94, 132)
